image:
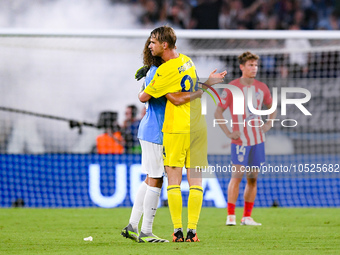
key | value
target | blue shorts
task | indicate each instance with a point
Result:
(248, 155)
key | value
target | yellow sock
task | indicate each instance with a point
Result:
(175, 205)
(194, 205)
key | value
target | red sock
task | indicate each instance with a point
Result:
(248, 207)
(231, 209)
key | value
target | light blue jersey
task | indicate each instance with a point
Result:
(150, 127)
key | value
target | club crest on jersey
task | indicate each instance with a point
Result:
(240, 158)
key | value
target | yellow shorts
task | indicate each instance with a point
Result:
(189, 150)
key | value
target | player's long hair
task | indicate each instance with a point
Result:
(148, 59)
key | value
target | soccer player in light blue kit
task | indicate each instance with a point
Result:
(151, 139)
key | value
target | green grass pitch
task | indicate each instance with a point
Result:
(61, 231)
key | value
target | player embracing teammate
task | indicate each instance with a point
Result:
(184, 128)
(247, 141)
(184, 141)
(150, 136)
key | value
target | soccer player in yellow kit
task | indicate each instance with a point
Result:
(184, 128)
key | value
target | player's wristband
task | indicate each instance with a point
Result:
(141, 72)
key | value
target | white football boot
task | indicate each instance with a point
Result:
(249, 222)
(231, 220)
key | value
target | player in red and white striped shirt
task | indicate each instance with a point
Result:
(247, 146)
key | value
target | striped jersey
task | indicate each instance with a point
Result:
(248, 123)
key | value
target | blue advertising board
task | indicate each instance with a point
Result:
(91, 180)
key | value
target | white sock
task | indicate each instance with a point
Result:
(150, 207)
(137, 209)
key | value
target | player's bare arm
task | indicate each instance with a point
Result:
(268, 125)
(219, 115)
(215, 78)
(143, 97)
(179, 98)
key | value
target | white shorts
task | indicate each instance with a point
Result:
(152, 159)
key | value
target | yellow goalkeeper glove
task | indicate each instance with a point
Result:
(141, 72)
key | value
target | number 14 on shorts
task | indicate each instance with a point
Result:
(240, 149)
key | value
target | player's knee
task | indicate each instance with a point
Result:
(252, 181)
(155, 182)
(160, 181)
(235, 180)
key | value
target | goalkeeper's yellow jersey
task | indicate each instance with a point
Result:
(178, 75)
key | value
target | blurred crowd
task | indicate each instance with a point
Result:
(119, 139)
(240, 14)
